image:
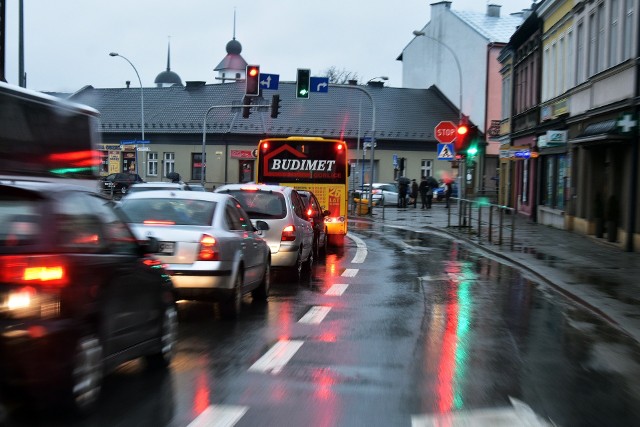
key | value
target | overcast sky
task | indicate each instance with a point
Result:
(67, 42)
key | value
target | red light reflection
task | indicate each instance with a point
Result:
(201, 400)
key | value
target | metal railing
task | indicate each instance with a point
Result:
(495, 224)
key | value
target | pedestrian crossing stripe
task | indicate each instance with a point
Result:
(445, 153)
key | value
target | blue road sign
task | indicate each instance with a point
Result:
(269, 81)
(446, 152)
(319, 84)
(395, 160)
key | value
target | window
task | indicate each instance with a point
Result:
(569, 77)
(426, 168)
(580, 54)
(152, 163)
(104, 161)
(593, 45)
(117, 235)
(628, 31)
(196, 166)
(246, 171)
(613, 33)
(78, 225)
(169, 163)
(601, 60)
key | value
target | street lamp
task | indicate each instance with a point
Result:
(141, 104)
(461, 179)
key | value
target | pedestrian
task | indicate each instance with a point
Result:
(422, 189)
(429, 196)
(447, 192)
(414, 193)
(403, 187)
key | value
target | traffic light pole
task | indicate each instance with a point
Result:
(373, 138)
(204, 134)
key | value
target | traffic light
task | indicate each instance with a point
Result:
(462, 136)
(303, 83)
(275, 106)
(471, 148)
(401, 164)
(246, 106)
(252, 87)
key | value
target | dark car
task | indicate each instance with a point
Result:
(119, 182)
(79, 295)
(316, 215)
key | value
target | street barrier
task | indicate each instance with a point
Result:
(484, 220)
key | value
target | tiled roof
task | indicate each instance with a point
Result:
(494, 29)
(401, 114)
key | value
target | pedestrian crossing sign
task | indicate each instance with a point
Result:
(446, 152)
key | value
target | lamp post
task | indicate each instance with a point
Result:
(461, 179)
(204, 143)
(141, 105)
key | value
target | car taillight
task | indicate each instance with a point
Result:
(158, 222)
(288, 234)
(208, 249)
(44, 270)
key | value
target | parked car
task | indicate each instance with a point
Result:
(288, 231)
(316, 215)
(382, 191)
(438, 193)
(79, 294)
(119, 182)
(207, 244)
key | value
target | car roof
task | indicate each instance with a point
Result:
(159, 184)
(253, 187)
(46, 186)
(190, 195)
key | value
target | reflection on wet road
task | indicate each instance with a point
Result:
(400, 328)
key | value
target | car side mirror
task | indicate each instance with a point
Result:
(261, 225)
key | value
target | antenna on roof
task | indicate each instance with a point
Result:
(234, 23)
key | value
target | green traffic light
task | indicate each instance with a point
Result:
(303, 92)
(472, 151)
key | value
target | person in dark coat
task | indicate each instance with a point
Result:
(403, 189)
(414, 193)
(422, 189)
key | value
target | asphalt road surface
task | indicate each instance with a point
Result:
(398, 329)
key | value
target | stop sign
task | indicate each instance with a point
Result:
(445, 132)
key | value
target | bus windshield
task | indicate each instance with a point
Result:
(46, 137)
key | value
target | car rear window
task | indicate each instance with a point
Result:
(169, 211)
(261, 204)
(20, 221)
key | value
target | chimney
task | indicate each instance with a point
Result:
(493, 10)
(128, 83)
(352, 82)
(195, 84)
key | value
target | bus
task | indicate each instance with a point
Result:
(314, 164)
(47, 138)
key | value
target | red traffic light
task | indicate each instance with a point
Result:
(252, 87)
(462, 129)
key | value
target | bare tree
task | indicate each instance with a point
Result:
(340, 76)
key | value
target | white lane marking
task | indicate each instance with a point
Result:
(337, 289)
(219, 416)
(520, 414)
(274, 360)
(350, 272)
(361, 251)
(315, 315)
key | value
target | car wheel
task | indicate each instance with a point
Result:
(85, 374)
(168, 336)
(261, 293)
(231, 308)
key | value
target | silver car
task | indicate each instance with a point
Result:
(287, 231)
(207, 244)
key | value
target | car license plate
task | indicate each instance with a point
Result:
(166, 248)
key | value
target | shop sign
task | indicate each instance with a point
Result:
(242, 154)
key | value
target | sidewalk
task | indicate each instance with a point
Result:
(592, 272)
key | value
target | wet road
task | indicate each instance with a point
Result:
(397, 329)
